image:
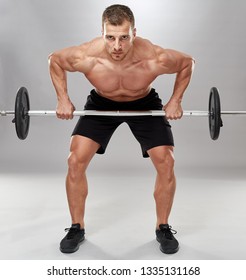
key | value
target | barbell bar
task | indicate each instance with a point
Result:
(22, 113)
(119, 113)
(50, 113)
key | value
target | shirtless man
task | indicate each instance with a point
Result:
(121, 68)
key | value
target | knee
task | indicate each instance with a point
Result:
(76, 166)
(164, 163)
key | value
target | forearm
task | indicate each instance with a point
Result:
(59, 78)
(182, 81)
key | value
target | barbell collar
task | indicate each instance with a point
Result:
(5, 113)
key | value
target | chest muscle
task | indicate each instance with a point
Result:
(133, 78)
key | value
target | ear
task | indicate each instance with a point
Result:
(103, 28)
(134, 32)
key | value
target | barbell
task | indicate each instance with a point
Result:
(22, 113)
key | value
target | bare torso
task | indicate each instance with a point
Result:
(125, 80)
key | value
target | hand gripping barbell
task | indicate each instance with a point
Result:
(22, 113)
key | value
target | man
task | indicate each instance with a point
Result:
(121, 68)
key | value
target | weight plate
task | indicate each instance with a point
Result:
(214, 109)
(22, 120)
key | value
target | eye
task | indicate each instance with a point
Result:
(109, 37)
(125, 37)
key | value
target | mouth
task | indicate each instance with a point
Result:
(117, 55)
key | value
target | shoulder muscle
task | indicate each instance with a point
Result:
(172, 61)
(75, 58)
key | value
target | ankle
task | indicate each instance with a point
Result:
(164, 222)
(82, 225)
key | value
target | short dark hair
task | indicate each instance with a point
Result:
(117, 14)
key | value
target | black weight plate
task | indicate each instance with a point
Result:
(22, 120)
(215, 113)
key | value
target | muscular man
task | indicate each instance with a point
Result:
(121, 68)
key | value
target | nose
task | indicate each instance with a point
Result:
(117, 45)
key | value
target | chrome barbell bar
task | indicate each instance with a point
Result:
(118, 113)
(122, 113)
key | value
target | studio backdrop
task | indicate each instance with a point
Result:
(212, 31)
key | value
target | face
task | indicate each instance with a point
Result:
(118, 39)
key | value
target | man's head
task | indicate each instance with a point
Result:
(118, 30)
(117, 14)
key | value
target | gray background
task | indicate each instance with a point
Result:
(211, 31)
(209, 208)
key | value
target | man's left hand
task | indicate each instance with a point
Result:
(173, 110)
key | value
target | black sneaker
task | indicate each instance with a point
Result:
(168, 243)
(71, 242)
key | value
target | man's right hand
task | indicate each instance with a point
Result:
(64, 110)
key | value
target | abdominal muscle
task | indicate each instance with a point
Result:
(124, 95)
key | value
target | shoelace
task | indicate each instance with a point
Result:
(168, 232)
(71, 232)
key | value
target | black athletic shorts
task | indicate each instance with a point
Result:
(150, 131)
